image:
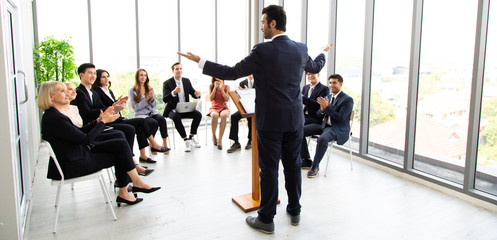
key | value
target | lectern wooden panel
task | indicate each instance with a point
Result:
(250, 201)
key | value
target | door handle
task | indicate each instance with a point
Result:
(25, 86)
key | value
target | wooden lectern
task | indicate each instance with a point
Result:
(250, 201)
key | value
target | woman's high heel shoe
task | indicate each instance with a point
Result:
(143, 190)
(120, 200)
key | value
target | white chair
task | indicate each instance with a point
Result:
(330, 144)
(59, 183)
(170, 126)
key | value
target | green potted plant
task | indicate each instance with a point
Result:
(54, 60)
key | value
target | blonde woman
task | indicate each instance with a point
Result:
(76, 149)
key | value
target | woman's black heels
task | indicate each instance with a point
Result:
(120, 200)
(143, 190)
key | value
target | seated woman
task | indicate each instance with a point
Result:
(76, 149)
(72, 113)
(145, 127)
(142, 99)
(218, 94)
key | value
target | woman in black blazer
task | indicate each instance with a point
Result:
(147, 125)
(76, 149)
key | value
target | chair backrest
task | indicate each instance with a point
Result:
(54, 158)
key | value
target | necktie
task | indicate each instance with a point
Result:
(310, 92)
(250, 84)
(332, 100)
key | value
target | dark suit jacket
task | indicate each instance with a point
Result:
(339, 113)
(88, 109)
(277, 67)
(168, 86)
(244, 83)
(310, 104)
(106, 100)
(69, 144)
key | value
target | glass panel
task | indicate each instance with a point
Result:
(70, 20)
(318, 31)
(232, 32)
(294, 21)
(389, 79)
(444, 88)
(114, 42)
(191, 41)
(158, 31)
(349, 54)
(114, 35)
(486, 170)
(271, 2)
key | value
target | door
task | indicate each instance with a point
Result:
(17, 80)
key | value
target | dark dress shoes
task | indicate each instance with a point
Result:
(148, 160)
(162, 149)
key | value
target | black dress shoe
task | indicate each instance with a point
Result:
(148, 160)
(120, 200)
(306, 163)
(162, 149)
(143, 190)
(234, 147)
(249, 144)
(146, 173)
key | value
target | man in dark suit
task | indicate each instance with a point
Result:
(179, 89)
(235, 118)
(90, 105)
(310, 94)
(277, 67)
(335, 111)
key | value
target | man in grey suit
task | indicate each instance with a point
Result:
(277, 67)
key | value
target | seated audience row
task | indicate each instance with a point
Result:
(87, 149)
(326, 115)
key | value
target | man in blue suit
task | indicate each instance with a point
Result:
(277, 67)
(335, 111)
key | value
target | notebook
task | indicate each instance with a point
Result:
(184, 107)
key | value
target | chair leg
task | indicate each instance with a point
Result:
(107, 197)
(57, 208)
(104, 188)
(205, 125)
(110, 174)
(350, 152)
(330, 145)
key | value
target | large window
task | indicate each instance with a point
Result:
(70, 20)
(294, 21)
(232, 32)
(349, 54)
(389, 79)
(318, 31)
(486, 175)
(114, 35)
(158, 42)
(197, 36)
(444, 88)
